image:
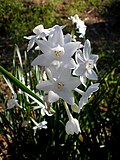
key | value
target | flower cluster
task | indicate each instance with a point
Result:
(67, 65)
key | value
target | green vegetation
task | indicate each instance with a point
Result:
(18, 18)
(99, 119)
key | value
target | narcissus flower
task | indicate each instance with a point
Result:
(72, 126)
(40, 32)
(80, 25)
(13, 102)
(60, 85)
(85, 64)
(55, 49)
(39, 126)
(85, 95)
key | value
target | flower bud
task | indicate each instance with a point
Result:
(74, 108)
(72, 126)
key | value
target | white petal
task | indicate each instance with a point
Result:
(79, 91)
(90, 74)
(52, 97)
(69, 64)
(82, 102)
(72, 83)
(92, 88)
(38, 29)
(29, 37)
(57, 37)
(11, 103)
(79, 57)
(69, 128)
(77, 126)
(94, 57)
(83, 80)
(80, 70)
(67, 96)
(45, 86)
(15, 96)
(30, 44)
(44, 46)
(67, 38)
(42, 60)
(44, 122)
(71, 48)
(86, 50)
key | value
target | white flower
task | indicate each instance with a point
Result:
(39, 126)
(13, 102)
(81, 28)
(80, 25)
(85, 64)
(40, 32)
(56, 49)
(74, 18)
(85, 95)
(72, 126)
(32, 40)
(61, 85)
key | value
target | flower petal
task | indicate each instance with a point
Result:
(80, 70)
(83, 80)
(76, 126)
(71, 48)
(67, 38)
(90, 74)
(58, 37)
(79, 57)
(69, 128)
(45, 86)
(69, 63)
(86, 50)
(92, 88)
(94, 57)
(72, 83)
(52, 97)
(44, 46)
(42, 60)
(67, 96)
(82, 102)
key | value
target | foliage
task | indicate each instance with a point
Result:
(18, 18)
(22, 17)
(99, 121)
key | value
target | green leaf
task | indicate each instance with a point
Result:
(18, 83)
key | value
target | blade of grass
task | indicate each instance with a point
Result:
(18, 83)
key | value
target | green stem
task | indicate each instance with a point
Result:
(57, 132)
(68, 111)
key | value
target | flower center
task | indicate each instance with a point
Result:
(89, 64)
(60, 85)
(58, 51)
